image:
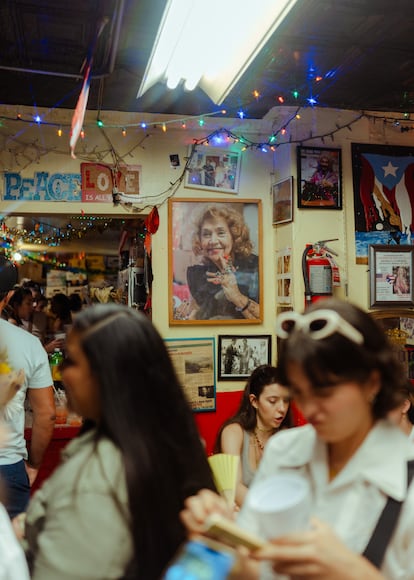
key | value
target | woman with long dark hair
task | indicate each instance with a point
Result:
(111, 510)
(264, 409)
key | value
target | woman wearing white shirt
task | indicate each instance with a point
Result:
(345, 378)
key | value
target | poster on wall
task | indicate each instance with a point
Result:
(194, 363)
(319, 178)
(215, 261)
(383, 180)
(41, 186)
(391, 275)
(100, 181)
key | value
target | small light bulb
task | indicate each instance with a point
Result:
(59, 132)
(124, 132)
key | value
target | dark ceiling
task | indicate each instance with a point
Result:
(350, 54)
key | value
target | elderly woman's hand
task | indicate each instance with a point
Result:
(316, 553)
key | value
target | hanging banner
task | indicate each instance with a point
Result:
(43, 186)
(100, 181)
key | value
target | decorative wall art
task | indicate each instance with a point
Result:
(319, 178)
(194, 363)
(284, 277)
(391, 275)
(383, 178)
(282, 193)
(215, 262)
(214, 169)
(238, 356)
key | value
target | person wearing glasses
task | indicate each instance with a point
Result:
(345, 378)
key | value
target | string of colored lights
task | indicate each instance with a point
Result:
(403, 122)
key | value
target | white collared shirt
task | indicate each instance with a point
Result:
(352, 502)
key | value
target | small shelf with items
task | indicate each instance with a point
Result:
(399, 327)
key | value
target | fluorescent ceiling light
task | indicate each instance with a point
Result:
(211, 43)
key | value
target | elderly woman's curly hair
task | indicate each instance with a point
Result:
(242, 245)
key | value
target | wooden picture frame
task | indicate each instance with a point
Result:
(319, 178)
(282, 194)
(194, 363)
(391, 275)
(215, 276)
(213, 169)
(238, 356)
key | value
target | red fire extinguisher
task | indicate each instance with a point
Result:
(320, 272)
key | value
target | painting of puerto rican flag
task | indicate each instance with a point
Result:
(383, 180)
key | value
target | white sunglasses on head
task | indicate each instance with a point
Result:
(318, 324)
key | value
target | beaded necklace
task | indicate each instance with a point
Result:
(259, 443)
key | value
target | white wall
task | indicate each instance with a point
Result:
(28, 148)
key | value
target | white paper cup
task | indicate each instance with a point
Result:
(281, 504)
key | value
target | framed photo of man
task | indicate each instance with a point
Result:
(319, 178)
(215, 261)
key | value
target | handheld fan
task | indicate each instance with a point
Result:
(225, 468)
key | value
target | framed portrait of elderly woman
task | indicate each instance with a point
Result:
(214, 169)
(215, 261)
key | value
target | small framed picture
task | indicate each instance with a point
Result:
(282, 193)
(214, 169)
(319, 178)
(194, 362)
(238, 356)
(391, 275)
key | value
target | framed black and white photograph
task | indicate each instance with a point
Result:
(238, 356)
(391, 275)
(319, 178)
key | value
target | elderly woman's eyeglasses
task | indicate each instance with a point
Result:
(318, 324)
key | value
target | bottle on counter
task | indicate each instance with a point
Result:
(55, 359)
